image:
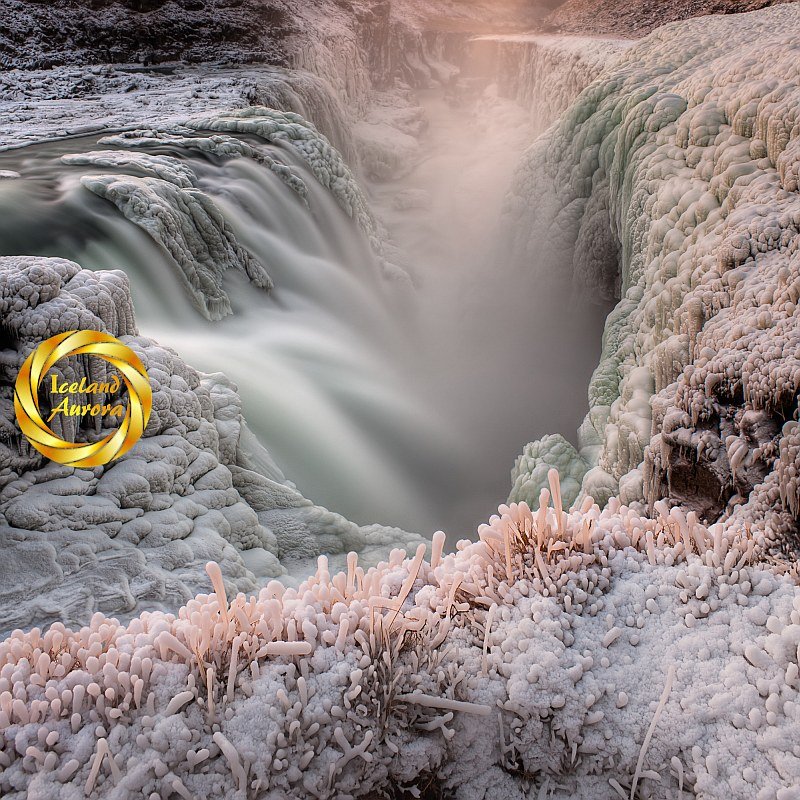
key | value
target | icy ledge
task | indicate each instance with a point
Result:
(136, 534)
(590, 654)
(673, 181)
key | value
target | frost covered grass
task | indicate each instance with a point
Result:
(585, 653)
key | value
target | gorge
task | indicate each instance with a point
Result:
(400, 252)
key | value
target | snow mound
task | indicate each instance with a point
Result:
(135, 534)
(532, 467)
(673, 182)
(582, 654)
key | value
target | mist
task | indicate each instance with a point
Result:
(504, 357)
(391, 401)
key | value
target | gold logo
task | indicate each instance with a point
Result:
(90, 343)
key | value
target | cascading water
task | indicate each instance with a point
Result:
(316, 361)
(385, 402)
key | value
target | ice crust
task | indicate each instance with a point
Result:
(673, 181)
(590, 654)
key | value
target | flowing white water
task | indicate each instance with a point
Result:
(317, 361)
(383, 403)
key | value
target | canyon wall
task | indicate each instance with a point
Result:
(672, 183)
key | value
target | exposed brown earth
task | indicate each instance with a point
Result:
(635, 18)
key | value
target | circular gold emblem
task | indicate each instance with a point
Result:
(80, 454)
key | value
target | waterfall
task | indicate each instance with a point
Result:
(252, 251)
(318, 361)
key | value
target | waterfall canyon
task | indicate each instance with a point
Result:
(423, 264)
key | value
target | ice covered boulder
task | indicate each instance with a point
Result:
(530, 473)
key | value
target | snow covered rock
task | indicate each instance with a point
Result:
(673, 180)
(143, 31)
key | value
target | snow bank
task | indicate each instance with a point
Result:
(672, 182)
(590, 654)
(135, 534)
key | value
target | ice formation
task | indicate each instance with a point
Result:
(189, 226)
(136, 533)
(673, 180)
(512, 666)
(165, 201)
(165, 168)
(325, 162)
(222, 146)
(185, 220)
(529, 475)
